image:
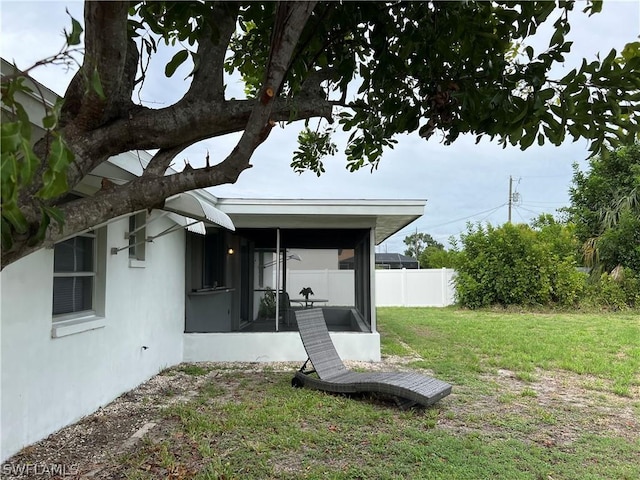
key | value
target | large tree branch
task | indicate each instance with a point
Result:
(183, 123)
(153, 190)
(109, 56)
(201, 114)
(148, 191)
(112, 58)
(291, 17)
(208, 79)
(162, 160)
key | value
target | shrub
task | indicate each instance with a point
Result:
(517, 265)
(437, 257)
(568, 283)
(613, 293)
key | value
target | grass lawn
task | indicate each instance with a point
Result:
(461, 345)
(536, 396)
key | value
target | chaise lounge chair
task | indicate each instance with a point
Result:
(408, 389)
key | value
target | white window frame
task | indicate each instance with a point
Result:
(137, 236)
(76, 322)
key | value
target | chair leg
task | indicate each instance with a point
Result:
(404, 403)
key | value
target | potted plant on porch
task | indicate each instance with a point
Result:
(305, 292)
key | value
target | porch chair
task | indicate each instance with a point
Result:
(331, 375)
(286, 311)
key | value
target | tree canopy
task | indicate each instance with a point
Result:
(605, 208)
(379, 68)
(417, 242)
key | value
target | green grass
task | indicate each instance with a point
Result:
(494, 425)
(460, 344)
(192, 369)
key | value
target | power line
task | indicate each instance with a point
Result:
(541, 208)
(491, 210)
(430, 227)
(545, 203)
(487, 216)
(521, 217)
(529, 210)
(544, 176)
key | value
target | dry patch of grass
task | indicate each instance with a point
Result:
(535, 397)
(245, 421)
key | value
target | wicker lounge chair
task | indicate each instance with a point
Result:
(408, 389)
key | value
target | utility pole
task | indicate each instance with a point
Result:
(510, 196)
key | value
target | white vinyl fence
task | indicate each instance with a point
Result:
(404, 288)
(334, 285)
(415, 288)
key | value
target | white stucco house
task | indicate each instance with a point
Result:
(101, 312)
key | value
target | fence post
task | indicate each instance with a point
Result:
(405, 295)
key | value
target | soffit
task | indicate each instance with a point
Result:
(386, 216)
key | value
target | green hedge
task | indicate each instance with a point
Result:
(533, 266)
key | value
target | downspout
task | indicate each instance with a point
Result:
(372, 279)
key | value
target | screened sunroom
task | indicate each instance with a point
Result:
(285, 255)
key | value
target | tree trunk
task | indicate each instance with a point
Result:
(97, 128)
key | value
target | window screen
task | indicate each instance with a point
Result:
(73, 277)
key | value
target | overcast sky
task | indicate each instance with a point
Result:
(462, 182)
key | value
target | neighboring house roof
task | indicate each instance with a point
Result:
(393, 260)
(396, 259)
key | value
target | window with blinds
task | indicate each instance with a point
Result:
(137, 235)
(74, 271)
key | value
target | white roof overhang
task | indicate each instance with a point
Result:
(385, 216)
(192, 206)
(193, 226)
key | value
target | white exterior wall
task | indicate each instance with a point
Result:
(274, 347)
(415, 288)
(47, 382)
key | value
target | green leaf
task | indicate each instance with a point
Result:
(49, 122)
(529, 51)
(54, 184)
(10, 136)
(96, 84)
(42, 229)
(5, 230)
(14, 216)
(73, 38)
(9, 168)
(631, 50)
(28, 163)
(529, 137)
(177, 60)
(59, 155)
(57, 216)
(55, 178)
(595, 6)
(23, 119)
(557, 37)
